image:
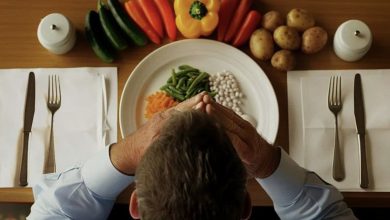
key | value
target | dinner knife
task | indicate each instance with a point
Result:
(28, 120)
(361, 129)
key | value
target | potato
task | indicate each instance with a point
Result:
(313, 40)
(287, 38)
(271, 20)
(261, 44)
(300, 19)
(283, 60)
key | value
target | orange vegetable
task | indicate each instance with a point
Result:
(153, 15)
(158, 102)
(135, 11)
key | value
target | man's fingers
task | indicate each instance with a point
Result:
(190, 103)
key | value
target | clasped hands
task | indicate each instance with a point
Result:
(259, 157)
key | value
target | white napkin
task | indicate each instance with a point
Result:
(311, 126)
(78, 124)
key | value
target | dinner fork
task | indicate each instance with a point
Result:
(53, 104)
(335, 105)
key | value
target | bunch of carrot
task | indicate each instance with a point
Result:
(158, 102)
(153, 16)
(236, 21)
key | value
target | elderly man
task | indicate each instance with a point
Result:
(188, 164)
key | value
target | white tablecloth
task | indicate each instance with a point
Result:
(79, 124)
(311, 126)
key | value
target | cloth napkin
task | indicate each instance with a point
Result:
(311, 126)
(79, 124)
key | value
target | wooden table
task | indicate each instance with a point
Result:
(19, 48)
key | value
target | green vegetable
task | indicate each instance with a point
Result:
(127, 25)
(111, 28)
(186, 82)
(97, 38)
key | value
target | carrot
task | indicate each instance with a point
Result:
(247, 28)
(134, 10)
(153, 15)
(158, 102)
(166, 12)
(237, 19)
(226, 12)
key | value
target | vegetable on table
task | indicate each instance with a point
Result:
(126, 23)
(226, 12)
(300, 19)
(261, 44)
(134, 10)
(168, 17)
(158, 102)
(313, 40)
(153, 15)
(111, 28)
(97, 38)
(196, 18)
(238, 17)
(287, 38)
(247, 28)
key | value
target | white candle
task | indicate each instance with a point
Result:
(352, 40)
(56, 33)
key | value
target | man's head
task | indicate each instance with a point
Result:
(191, 171)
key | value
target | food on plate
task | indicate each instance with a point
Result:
(272, 20)
(226, 11)
(168, 17)
(134, 10)
(283, 60)
(261, 44)
(300, 19)
(157, 102)
(313, 40)
(237, 19)
(126, 23)
(186, 82)
(251, 21)
(287, 38)
(152, 15)
(196, 18)
(111, 29)
(228, 91)
(96, 37)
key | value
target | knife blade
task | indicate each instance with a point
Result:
(28, 120)
(361, 129)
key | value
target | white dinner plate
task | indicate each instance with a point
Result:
(211, 56)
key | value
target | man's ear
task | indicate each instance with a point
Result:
(133, 208)
(246, 214)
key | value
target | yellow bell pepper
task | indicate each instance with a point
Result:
(196, 18)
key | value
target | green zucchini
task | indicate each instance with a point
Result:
(127, 25)
(111, 28)
(96, 37)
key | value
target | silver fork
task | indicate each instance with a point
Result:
(53, 104)
(335, 105)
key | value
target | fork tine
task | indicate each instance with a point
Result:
(48, 91)
(330, 91)
(55, 89)
(59, 90)
(339, 90)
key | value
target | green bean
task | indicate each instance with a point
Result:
(197, 80)
(181, 82)
(174, 79)
(185, 72)
(213, 93)
(175, 95)
(176, 90)
(186, 67)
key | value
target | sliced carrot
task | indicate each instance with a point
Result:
(168, 16)
(247, 28)
(153, 16)
(158, 102)
(134, 10)
(237, 19)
